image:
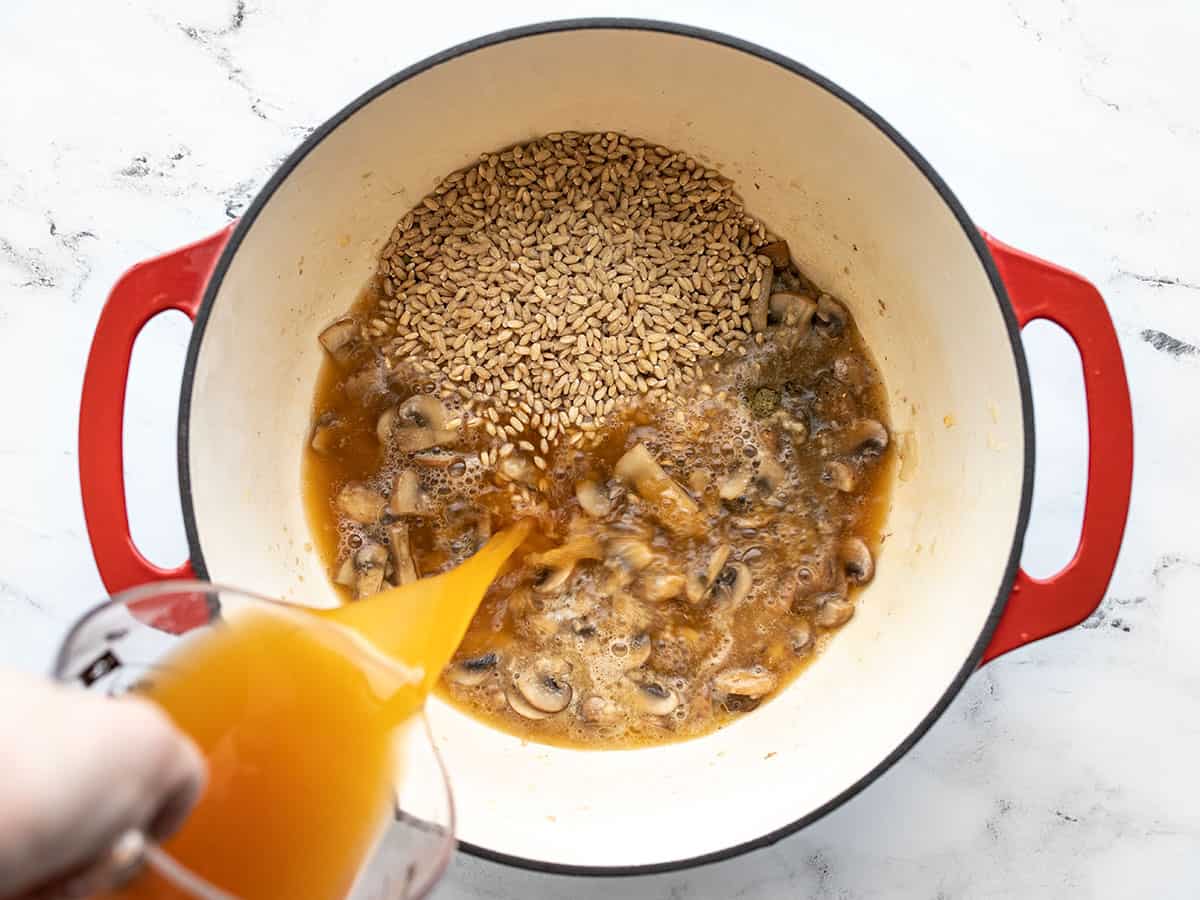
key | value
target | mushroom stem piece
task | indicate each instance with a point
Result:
(369, 564)
(359, 502)
(674, 507)
(592, 499)
(866, 437)
(402, 558)
(408, 499)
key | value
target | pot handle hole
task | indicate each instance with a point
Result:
(174, 280)
(1039, 607)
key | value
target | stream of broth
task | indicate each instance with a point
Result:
(299, 714)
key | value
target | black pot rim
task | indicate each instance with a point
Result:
(972, 660)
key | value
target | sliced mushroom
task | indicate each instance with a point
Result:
(661, 586)
(736, 703)
(632, 553)
(370, 566)
(840, 475)
(424, 411)
(753, 683)
(717, 562)
(831, 316)
(736, 483)
(866, 437)
(760, 304)
(518, 467)
(734, 489)
(592, 499)
(752, 522)
(806, 601)
(471, 525)
(793, 310)
(558, 564)
(544, 684)
(518, 704)
(408, 498)
(402, 559)
(599, 711)
(418, 423)
(697, 585)
(633, 652)
(385, 424)
(815, 573)
(778, 253)
(359, 502)
(834, 612)
(580, 547)
(801, 637)
(370, 554)
(474, 670)
(345, 572)
(673, 506)
(733, 583)
(325, 433)
(639, 467)
(856, 560)
(655, 699)
(341, 339)
(324, 438)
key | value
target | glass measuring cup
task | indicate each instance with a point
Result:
(136, 642)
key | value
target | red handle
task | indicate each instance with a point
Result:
(174, 280)
(1041, 607)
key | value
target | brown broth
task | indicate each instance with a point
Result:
(826, 382)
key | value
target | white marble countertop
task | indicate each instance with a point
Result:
(1071, 129)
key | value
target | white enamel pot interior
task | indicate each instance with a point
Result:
(864, 215)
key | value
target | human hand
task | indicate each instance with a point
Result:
(78, 771)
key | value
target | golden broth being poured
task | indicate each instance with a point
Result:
(296, 712)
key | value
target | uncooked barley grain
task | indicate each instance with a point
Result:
(554, 282)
